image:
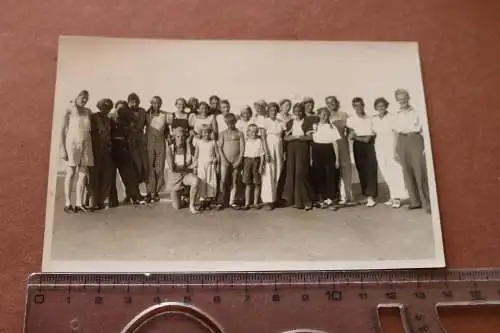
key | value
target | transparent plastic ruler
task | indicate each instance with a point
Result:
(347, 302)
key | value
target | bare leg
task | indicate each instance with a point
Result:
(248, 194)
(80, 185)
(256, 195)
(176, 200)
(193, 193)
(68, 181)
(234, 186)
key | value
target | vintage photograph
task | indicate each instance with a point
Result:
(231, 155)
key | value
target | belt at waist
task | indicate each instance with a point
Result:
(119, 138)
(409, 134)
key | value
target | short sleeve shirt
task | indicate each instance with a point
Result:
(254, 148)
(326, 133)
(407, 121)
(362, 126)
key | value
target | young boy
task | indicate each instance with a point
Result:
(253, 166)
(231, 149)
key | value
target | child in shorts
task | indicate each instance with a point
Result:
(231, 146)
(253, 166)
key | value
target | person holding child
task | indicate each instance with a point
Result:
(231, 149)
(253, 166)
(298, 190)
(206, 163)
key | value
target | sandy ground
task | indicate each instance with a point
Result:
(157, 232)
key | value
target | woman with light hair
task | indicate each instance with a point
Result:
(180, 161)
(76, 150)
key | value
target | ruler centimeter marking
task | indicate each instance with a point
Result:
(267, 302)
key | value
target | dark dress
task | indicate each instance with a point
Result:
(180, 122)
(102, 172)
(121, 127)
(298, 190)
(324, 174)
(138, 144)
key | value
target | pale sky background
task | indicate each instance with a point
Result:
(240, 71)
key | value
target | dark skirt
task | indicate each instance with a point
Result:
(325, 175)
(298, 190)
(366, 164)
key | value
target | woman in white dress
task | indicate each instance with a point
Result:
(273, 137)
(385, 146)
(204, 118)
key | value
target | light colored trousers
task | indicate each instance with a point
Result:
(273, 168)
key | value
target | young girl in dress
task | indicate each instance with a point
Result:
(206, 157)
(204, 118)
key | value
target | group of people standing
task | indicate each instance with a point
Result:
(278, 153)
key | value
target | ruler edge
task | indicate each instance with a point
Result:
(441, 273)
(437, 275)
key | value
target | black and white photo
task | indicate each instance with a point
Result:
(183, 155)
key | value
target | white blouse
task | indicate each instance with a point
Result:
(254, 148)
(407, 121)
(362, 126)
(272, 127)
(242, 126)
(297, 128)
(325, 133)
(221, 122)
(384, 127)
